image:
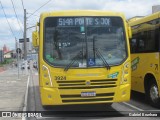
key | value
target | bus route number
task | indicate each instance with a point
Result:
(60, 77)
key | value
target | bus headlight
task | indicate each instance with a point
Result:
(125, 73)
(46, 77)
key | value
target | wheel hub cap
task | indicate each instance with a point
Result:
(154, 93)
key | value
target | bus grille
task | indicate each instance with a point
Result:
(84, 84)
(100, 97)
(88, 100)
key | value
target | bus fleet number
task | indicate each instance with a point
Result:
(60, 77)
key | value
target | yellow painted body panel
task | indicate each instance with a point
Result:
(144, 19)
(121, 92)
(145, 66)
(145, 62)
(54, 92)
(56, 99)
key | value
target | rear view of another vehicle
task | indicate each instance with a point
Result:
(35, 65)
(23, 65)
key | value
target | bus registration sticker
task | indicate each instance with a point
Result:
(88, 94)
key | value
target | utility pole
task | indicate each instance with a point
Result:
(17, 46)
(16, 43)
(25, 40)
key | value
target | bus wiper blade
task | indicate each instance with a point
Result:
(102, 58)
(72, 61)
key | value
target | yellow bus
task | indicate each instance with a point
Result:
(145, 53)
(84, 57)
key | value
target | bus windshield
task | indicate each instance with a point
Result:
(66, 37)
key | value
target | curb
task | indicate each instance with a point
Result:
(26, 97)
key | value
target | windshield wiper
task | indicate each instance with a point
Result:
(102, 58)
(72, 61)
(98, 53)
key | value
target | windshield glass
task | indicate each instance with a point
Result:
(78, 39)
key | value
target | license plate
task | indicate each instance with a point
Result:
(88, 94)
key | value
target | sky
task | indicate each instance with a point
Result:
(11, 26)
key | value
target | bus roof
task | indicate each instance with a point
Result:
(82, 13)
(144, 19)
(135, 18)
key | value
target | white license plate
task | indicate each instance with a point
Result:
(88, 94)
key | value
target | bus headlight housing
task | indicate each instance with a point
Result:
(47, 81)
(125, 73)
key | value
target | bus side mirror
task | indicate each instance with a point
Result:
(35, 39)
(129, 32)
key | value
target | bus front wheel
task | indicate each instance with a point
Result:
(153, 95)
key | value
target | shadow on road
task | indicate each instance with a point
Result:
(87, 111)
(139, 97)
(91, 111)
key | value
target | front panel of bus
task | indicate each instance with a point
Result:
(84, 60)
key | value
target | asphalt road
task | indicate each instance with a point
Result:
(120, 111)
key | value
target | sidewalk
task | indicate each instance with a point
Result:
(3, 68)
(12, 90)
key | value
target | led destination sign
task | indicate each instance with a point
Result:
(95, 21)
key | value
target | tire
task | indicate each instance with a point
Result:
(153, 95)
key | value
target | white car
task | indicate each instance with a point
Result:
(23, 65)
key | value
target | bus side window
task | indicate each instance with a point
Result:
(141, 45)
(133, 45)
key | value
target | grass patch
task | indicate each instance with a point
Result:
(6, 61)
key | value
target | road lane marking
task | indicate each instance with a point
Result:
(132, 106)
(153, 110)
(53, 118)
(11, 81)
(25, 99)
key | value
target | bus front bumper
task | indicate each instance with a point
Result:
(54, 96)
